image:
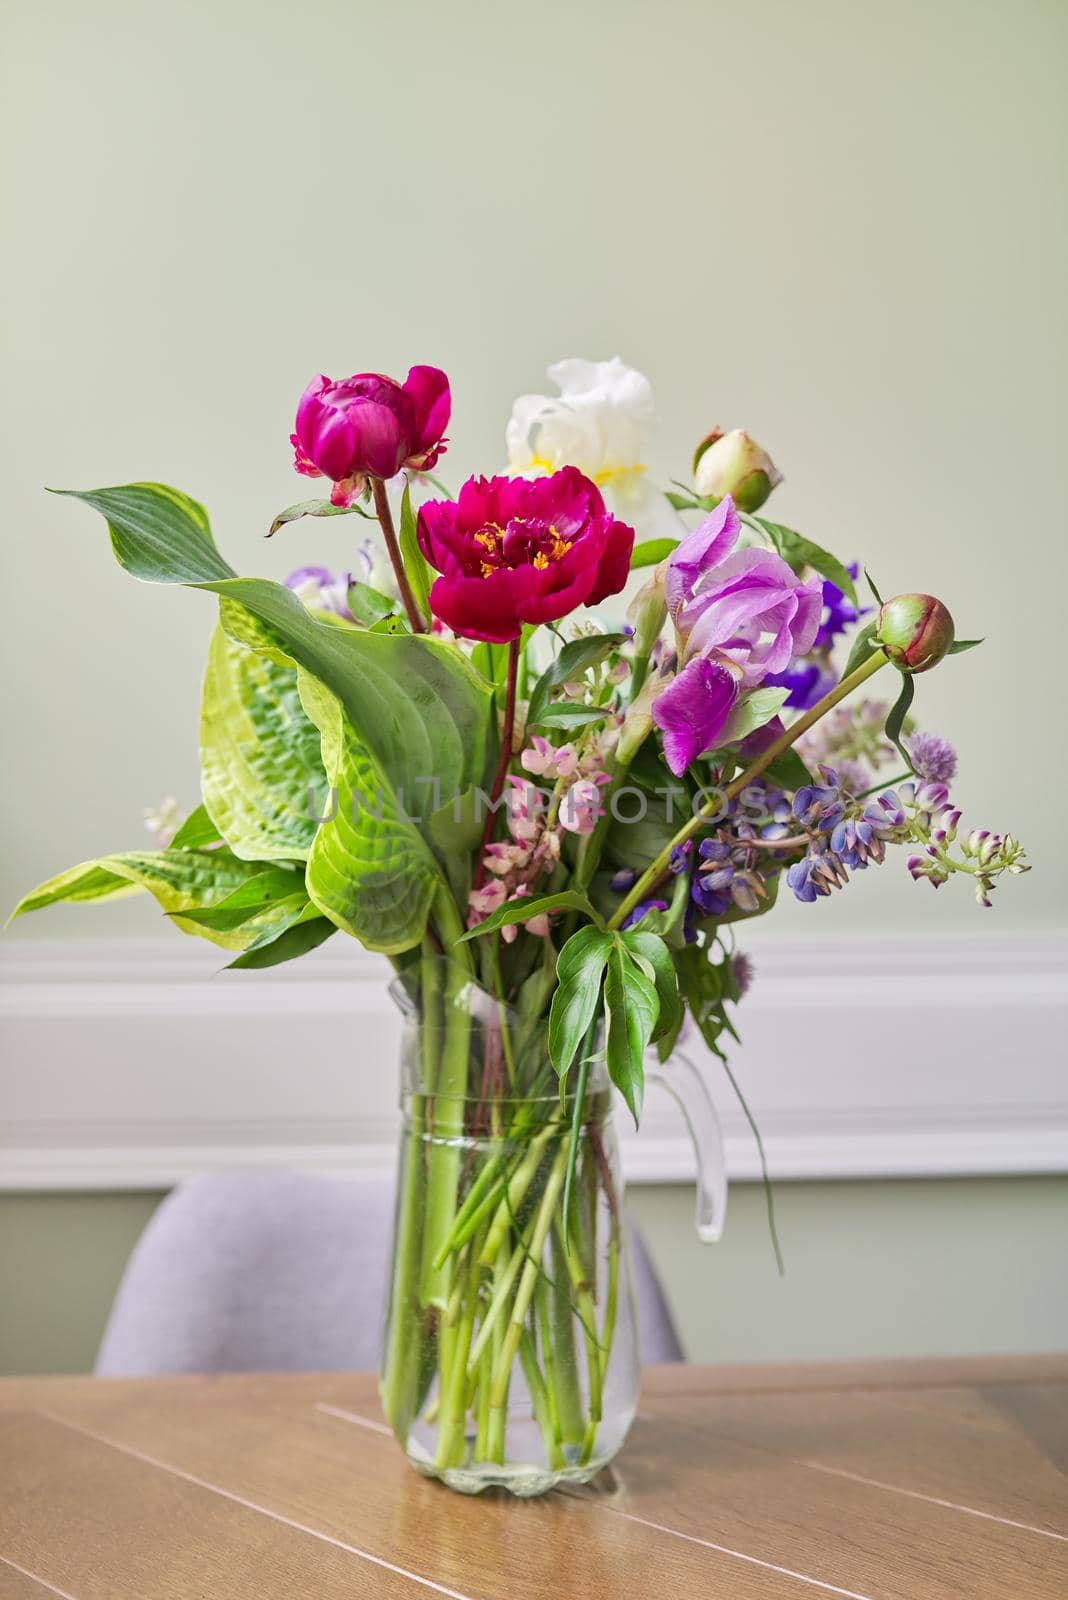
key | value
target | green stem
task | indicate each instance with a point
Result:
(516, 1190)
(528, 1279)
(496, 1425)
(891, 783)
(656, 871)
(454, 1396)
(449, 1091)
(539, 1396)
(562, 1337)
(389, 533)
(503, 760)
(504, 1275)
(404, 1348)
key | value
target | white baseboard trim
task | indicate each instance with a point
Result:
(133, 1066)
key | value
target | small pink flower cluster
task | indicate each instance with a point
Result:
(535, 820)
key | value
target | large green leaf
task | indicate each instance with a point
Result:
(157, 533)
(653, 956)
(369, 871)
(296, 941)
(579, 968)
(419, 707)
(631, 1008)
(259, 753)
(277, 889)
(180, 880)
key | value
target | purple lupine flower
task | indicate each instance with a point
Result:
(799, 879)
(640, 909)
(932, 757)
(680, 857)
(818, 807)
(623, 880)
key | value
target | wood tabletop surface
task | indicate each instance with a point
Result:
(934, 1480)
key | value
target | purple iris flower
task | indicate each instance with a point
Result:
(739, 615)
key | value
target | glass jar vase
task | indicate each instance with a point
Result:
(511, 1350)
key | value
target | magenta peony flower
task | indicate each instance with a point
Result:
(516, 550)
(370, 426)
(739, 615)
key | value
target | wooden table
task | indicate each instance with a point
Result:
(905, 1479)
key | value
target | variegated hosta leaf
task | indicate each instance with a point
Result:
(259, 753)
(369, 871)
(180, 880)
(420, 708)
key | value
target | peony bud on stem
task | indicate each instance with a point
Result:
(915, 630)
(733, 463)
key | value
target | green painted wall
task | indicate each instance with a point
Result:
(873, 1269)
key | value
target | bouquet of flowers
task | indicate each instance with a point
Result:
(553, 808)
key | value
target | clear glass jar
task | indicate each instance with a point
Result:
(511, 1350)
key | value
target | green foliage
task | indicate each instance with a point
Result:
(962, 644)
(864, 644)
(196, 831)
(315, 508)
(798, 552)
(278, 890)
(630, 1010)
(895, 721)
(788, 771)
(259, 752)
(180, 880)
(649, 951)
(579, 969)
(523, 910)
(651, 552)
(574, 659)
(751, 712)
(420, 573)
(305, 935)
(369, 871)
(565, 715)
(157, 533)
(369, 605)
(689, 500)
(418, 706)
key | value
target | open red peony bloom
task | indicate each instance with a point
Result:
(516, 550)
(370, 426)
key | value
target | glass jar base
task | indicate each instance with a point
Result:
(522, 1479)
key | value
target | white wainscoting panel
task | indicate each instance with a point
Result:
(133, 1065)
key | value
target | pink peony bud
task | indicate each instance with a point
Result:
(370, 426)
(915, 630)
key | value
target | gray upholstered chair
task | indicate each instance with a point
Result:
(280, 1272)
